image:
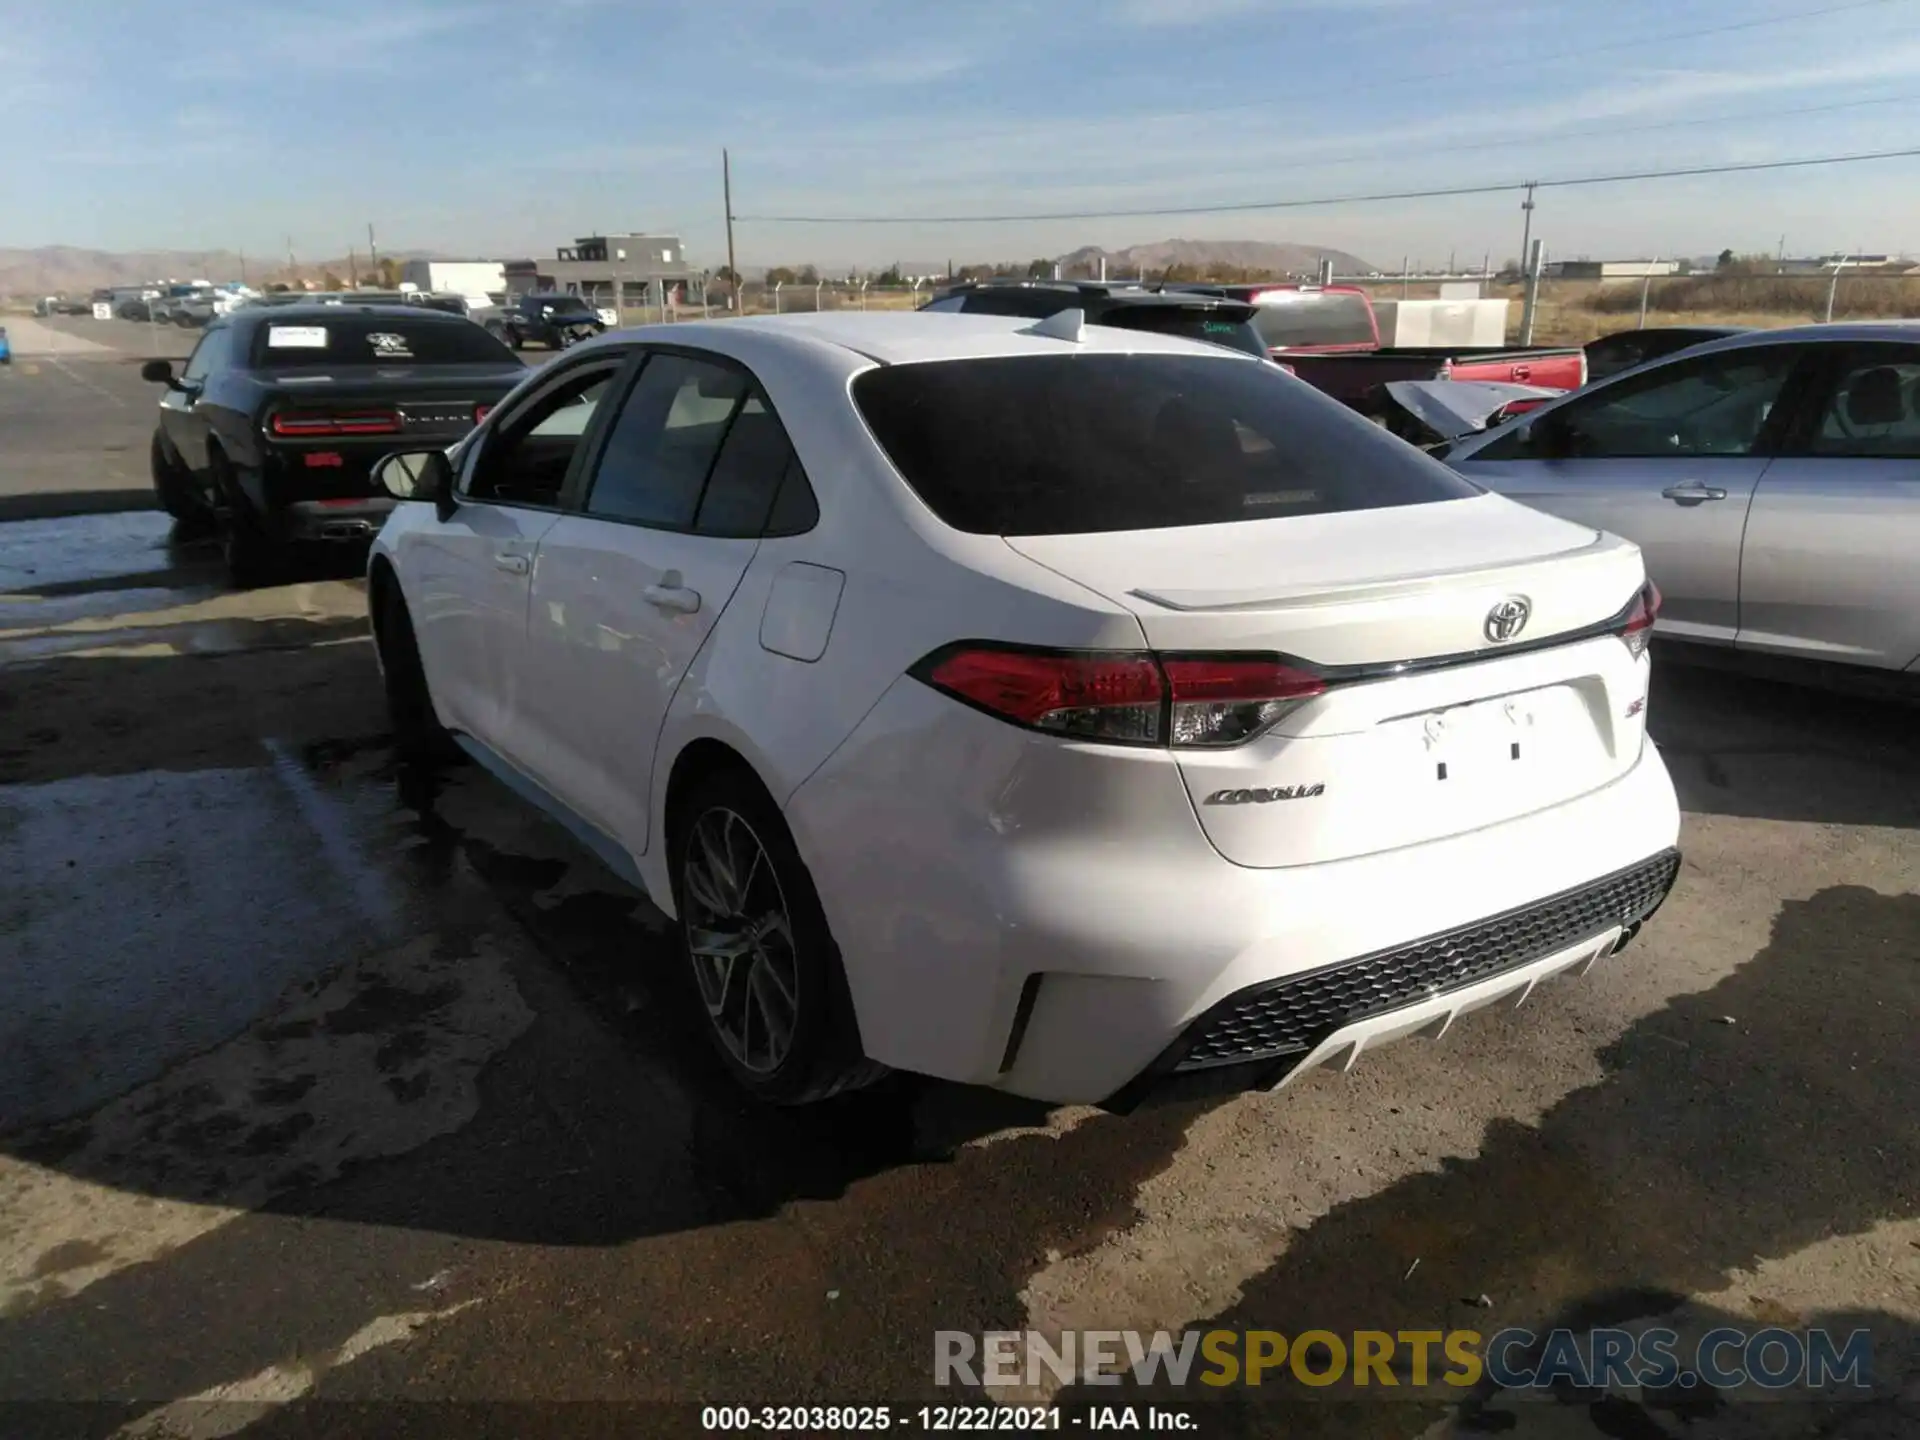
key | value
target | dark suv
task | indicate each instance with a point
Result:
(545, 318)
(1120, 306)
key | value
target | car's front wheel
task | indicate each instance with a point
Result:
(765, 968)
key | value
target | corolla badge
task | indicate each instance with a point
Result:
(1507, 619)
(1266, 796)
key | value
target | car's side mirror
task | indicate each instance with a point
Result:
(159, 372)
(418, 475)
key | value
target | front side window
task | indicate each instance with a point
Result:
(1060, 445)
(207, 356)
(1717, 405)
(1873, 411)
(526, 460)
(664, 442)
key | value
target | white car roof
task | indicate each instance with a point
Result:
(903, 337)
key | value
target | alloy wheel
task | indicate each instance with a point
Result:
(740, 939)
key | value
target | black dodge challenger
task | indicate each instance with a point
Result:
(270, 431)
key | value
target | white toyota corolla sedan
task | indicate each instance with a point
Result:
(1067, 710)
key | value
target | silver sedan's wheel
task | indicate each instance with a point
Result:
(740, 938)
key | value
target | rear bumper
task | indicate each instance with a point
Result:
(343, 521)
(1054, 923)
(1268, 1034)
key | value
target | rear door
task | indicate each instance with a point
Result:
(469, 576)
(1831, 565)
(1669, 458)
(633, 579)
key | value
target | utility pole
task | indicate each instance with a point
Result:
(1526, 229)
(726, 194)
(373, 253)
(353, 267)
(243, 267)
(1535, 260)
(291, 267)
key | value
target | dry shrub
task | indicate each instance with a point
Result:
(1860, 297)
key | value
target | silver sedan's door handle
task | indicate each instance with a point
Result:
(1692, 492)
(511, 563)
(676, 598)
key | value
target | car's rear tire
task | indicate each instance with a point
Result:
(418, 735)
(252, 556)
(766, 973)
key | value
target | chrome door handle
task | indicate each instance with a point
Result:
(676, 598)
(511, 563)
(1692, 492)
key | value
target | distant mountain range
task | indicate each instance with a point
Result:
(66, 269)
(1216, 257)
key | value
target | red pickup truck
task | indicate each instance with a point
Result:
(1328, 336)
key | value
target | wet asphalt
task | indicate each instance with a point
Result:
(340, 1099)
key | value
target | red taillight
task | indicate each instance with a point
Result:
(1223, 700)
(1124, 696)
(1111, 695)
(306, 425)
(1638, 629)
(480, 412)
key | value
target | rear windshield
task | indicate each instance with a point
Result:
(1071, 445)
(561, 304)
(1309, 318)
(374, 340)
(1195, 324)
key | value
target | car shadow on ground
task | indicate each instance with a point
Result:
(1738, 744)
(1736, 1129)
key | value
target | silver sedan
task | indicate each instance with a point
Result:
(1772, 480)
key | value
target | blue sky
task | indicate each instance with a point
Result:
(497, 126)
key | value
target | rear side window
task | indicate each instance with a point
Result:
(347, 339)
(665, 441)
(1314, 318)
(754, 463)
(1195, 324)
(1064, 445)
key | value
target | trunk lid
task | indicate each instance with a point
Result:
(1428, 727)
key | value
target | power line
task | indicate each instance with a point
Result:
(1245, 206)
(1745, 117)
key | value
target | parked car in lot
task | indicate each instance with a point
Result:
(1060, 710)
(272, 428)
(542, 318)
(1329, 337)
(1772, 478)
(1126, 306)
(1610, 354)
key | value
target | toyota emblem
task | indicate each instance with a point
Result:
(1508, 618)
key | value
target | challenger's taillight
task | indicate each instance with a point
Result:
(310, 424)
(480, 412)
(1127, 697)
(1637, 630)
